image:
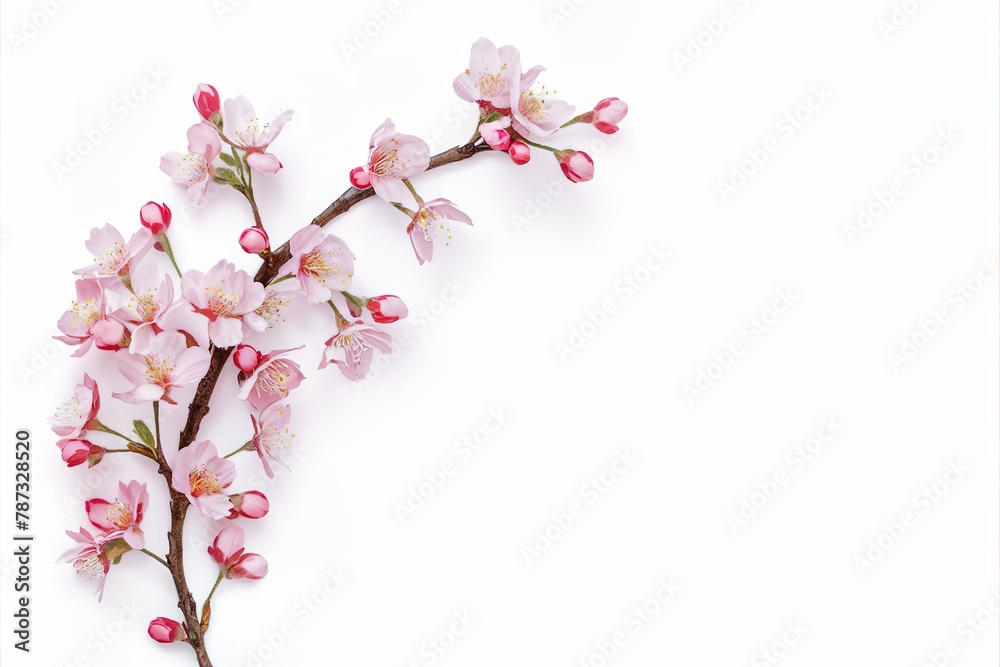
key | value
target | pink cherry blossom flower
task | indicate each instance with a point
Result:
(243, 128)
(353, 347)
(577, 166)
(113, 257)
(91, 557)
(74, 415)
(387, 309)
(250, 505)
(606, 115)
(320, 263)
(536, 113)
(495, 133)
(271, 433)
(148, 299)
(490, 76)
(194, 169)
(228, 298)
(159, 364)
(430, 224)
(75, 452)
(122, 517)
(227, 550)
(271, 380)
(519, 152)
(254, 240)
(203, 476)
(206, 100)
(392, 157)
(165, 630)
(87, 321)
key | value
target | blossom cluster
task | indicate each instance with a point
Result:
(169, 339)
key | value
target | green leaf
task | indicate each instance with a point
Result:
(226, 176)
(145, 451)
(228, 159)
(141, 430)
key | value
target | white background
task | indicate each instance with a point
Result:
(524, 290)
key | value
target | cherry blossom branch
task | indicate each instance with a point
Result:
(267, 273)
(123, 307)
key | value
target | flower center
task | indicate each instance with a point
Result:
(119, 515)
(274, 308)
(251, 132)
(86, 312)
(491, 85)
(430, 222)
(145, 305)
(532, 104)
(384, 159)
(91, 567)
(203, 481)
(194, 168)
(222, 302)
(319, 264)
(113, 258)
(158, 369)
(273, 438)
(69, 411)
(273, 378)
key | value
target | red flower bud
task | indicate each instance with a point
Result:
(360, 178)
(155, 217)
(519, 152)
(206, 100)
(76, 451)
(246, 358)
(251, 504)
(576, 165)
(166, 630)
(254, 240)
(387, 309)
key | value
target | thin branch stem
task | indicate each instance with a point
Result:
(156, 424)
(155, 557)
(95, 425)
(218, 580)
(542, 146)
(169, 251)
(247, 446)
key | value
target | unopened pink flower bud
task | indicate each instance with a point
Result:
(246, 358)
(248, 566)
(251, 504)
(76, 451)
(387, 309)
(155, 217)
(166, 630)
(576, 165)
(360, 178)
(495, 134)
(519, 152)
(607, 114)
(254, 240)
(206, 100)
